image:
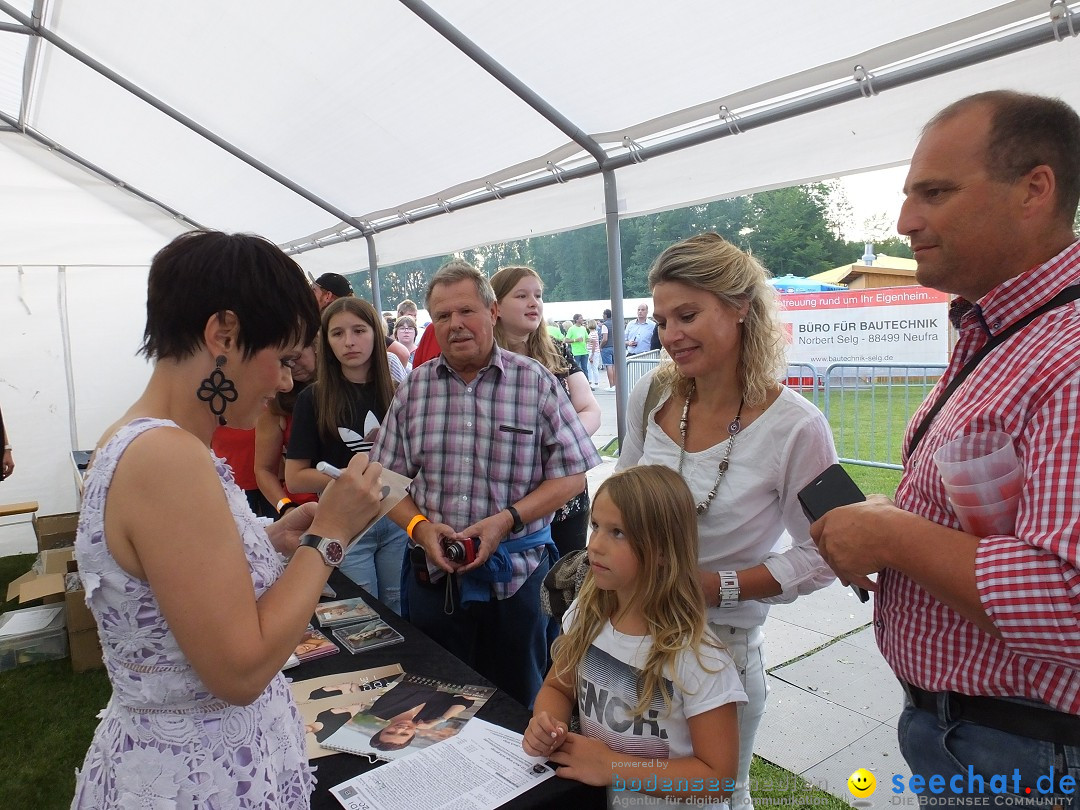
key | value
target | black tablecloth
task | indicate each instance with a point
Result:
(419, 655)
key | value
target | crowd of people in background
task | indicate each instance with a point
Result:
(489, 411)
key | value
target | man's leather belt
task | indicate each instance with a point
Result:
(1033, 722)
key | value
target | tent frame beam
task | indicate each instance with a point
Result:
(30, 65)
(1038, 34)
(39, 30)
(53, 146)
(483, 59)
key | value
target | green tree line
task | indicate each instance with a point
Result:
(789, 230)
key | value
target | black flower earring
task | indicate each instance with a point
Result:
(217, 390)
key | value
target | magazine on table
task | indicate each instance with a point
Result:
(329, 702)
(416, 712)
(367, 635)
(314, 645)
(345, 683)
(344, 611)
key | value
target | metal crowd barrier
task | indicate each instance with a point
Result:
(804, 378)
(869, 407)
(638, 365)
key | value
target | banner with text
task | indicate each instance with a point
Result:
(878, 325)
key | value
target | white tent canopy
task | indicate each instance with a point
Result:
(399, 129)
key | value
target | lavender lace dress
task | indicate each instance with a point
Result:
(164, 741)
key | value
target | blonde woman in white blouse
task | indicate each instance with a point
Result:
(743, 443)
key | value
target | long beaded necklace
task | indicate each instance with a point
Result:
(733, 430)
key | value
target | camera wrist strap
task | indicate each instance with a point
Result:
(448, 600)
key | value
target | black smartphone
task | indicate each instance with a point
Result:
(832, 488)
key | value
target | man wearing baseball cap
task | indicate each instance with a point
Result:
(329, 287)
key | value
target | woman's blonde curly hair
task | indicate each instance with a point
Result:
(709, 262)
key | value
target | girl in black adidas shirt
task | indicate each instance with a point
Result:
(337, 417)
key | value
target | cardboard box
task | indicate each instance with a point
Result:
(46, 581)
(83, 639)
(56, 531)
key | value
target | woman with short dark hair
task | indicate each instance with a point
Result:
(195, 609)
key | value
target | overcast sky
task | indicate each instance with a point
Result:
(872, 194)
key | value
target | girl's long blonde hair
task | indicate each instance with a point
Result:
(331, 387)
(540, 346)
(709, 262)
(660, 522)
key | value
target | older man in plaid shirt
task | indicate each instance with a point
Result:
(494, 447)
(984, 632)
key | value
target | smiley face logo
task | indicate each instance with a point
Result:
(862, 784)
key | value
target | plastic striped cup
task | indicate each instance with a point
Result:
(976, 458)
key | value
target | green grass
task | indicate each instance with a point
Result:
(868, 421)
(771, 785)
(49, 716)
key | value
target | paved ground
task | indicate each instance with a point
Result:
(832, 711)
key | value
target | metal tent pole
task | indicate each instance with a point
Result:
(65, 341)
(615, 279)
(30, 65)
(373, 269)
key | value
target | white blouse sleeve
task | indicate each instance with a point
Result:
(800, 569)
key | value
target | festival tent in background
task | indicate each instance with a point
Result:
(362, 133)
(800, 284)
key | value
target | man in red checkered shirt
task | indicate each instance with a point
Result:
(984, 632)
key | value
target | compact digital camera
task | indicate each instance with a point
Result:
(461, 552)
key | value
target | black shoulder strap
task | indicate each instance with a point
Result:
(1063, 297)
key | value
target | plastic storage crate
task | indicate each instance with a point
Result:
(33, 645)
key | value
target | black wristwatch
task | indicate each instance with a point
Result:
(332, 551)
(518, 525)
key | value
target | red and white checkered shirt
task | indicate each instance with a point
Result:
(1029, 583)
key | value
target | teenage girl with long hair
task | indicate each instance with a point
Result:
(520, 328)
(337, 417)
(636, 658)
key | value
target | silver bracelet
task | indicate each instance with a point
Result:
(728, 594)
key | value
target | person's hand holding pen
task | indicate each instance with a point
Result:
(351, 501)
